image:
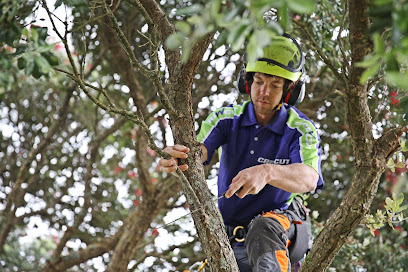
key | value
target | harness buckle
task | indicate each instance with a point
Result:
(234, 232)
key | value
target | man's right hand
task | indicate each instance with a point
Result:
(177, 152)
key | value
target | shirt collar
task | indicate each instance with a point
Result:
(277, 124)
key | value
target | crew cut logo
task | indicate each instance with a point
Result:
(275, 161)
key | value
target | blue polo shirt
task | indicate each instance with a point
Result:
(289, 138)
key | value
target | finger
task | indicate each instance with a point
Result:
(167, 163)
(234, 188)
(183, 167)
(177, 153)
(181, 148)
(168, 169)
(241, 193)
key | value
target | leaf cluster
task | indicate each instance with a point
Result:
(23, 42)
(392, 214)
(238, 22)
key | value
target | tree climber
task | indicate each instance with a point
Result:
(270, 152)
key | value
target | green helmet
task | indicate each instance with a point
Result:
(283, 58)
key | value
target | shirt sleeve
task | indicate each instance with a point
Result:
(305, 147)
(213, 132)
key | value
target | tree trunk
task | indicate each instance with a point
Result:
(370, 155)
(209, 226)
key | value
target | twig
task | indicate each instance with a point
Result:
(140, 7)
(345, 64)
(154, 75)
(320, 53)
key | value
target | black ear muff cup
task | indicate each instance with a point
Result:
(243, 85)
(294, 93)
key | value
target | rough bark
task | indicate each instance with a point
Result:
(207, 221)
(370, 154)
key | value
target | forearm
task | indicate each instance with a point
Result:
(205, 153)
(294, 178)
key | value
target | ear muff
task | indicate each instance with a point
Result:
(244, 86)
(294, 92)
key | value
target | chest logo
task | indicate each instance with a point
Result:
(275, 161)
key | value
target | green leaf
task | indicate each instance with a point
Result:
(21, 63)
(175, 40)
(398, 78)
(379, 46)
(398, 199)
(389, 202)
(43, 65)
(369, 61)
(370, 72)
(186, 51)
(391, 62)
(283, 16)
(195, 8)
(237, 31)
(259, 39)
(403, 145)
(24, 32)
(34, 35)
(232, 14)
(222, 38)
(403, 208)
(239, 37)
(275, 27)
(183, 27)
(302, 7)
(45, 48)
(52, 59)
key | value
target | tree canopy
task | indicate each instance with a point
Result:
(89, 99)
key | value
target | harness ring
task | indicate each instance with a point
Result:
(234, 232)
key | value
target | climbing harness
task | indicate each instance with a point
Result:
(296, 214)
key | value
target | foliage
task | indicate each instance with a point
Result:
(389, 58)
(392, 215)
(238, 22)
(26, 45)
(27, 256)
(88, 180)
(372, 253)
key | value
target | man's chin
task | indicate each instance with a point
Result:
(263, 110)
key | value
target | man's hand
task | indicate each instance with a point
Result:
(293, 178)
(249, 181)
(177, 152)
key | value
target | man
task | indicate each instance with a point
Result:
(270, 152)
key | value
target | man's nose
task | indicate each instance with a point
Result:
(265, 90)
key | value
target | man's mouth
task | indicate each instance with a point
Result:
(262, 102)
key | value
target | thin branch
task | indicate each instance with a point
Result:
(135, 63)
(345, 64)
(320, 53)
(140, 7)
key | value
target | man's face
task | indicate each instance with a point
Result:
(266, 93)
